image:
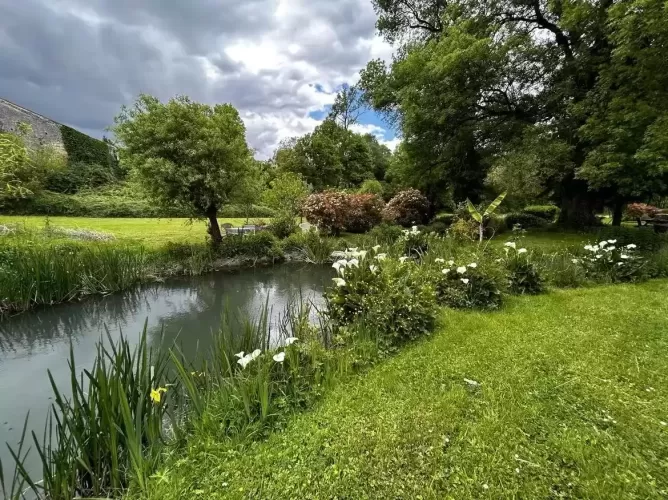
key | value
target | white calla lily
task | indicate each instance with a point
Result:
(403, 259)
(291, 340)
(280, 357)
(439, 260)
(522, 250)
(473, 265)
(465, 281)
(375, 248)
(339, 281)
(461, 270)
(510, 244)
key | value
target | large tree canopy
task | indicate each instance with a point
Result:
(332, 156)
(186, 154)
(569, 97)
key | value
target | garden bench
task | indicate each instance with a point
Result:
(660, 222)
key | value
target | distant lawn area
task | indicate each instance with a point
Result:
(563, 395)
(152, 232)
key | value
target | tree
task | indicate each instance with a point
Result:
(251, 187)
(348, 106)
(477, 84)
(330, 156)
(186, 154)
(286, 194)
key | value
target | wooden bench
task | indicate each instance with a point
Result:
(660, 222)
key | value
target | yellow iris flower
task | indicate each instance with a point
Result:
(156, 394)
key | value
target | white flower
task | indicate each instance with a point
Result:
(451, 262)
(338, 253)
(240, 354)
(461, 270)
(631, 246)
(291, 340)
(337, 265)
(373, 268)
(473, 265)
(414, 230)
(339, 281)
(445, 271)
(575, 261)
(510, 244)
(589, 247)
(375, 248)
(624, 256)
(522, 250)
(244, 361)
(595, 248)
(362, 254)
(620, 263)
(602, 243)
(354, 262)
(439, 260)
(599, 256)
(280, 357)
(465, 281)
(612, 242)
(403, 259)
(381, 256)
(255, 353)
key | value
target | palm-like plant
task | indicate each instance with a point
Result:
(481, 218)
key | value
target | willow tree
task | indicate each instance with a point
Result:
(187, 155)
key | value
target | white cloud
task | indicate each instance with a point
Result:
(78, 61)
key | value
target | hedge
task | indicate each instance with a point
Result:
(86, 149)
(547, 212)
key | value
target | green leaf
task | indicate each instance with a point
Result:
(473, 211)
(495, 204)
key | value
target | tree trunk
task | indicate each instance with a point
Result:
(577, 211)
(214, 228)
(617, 213)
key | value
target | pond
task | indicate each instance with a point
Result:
(183, 309)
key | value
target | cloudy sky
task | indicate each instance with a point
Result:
(278, 61)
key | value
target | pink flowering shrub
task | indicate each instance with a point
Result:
(407, 208)
(364, 211)
(327, 210)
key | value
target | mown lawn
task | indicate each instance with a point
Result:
(148, 231)
(567, 397)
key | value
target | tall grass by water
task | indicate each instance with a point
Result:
(42, 272)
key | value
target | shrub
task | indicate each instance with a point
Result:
(392, 296)
(310, 246)
(547, 212)
(468, 285)
(496, 224)
(523, 275)
(257, 245)
(644, 237)
(371, 186)
(464, 229)
(607, 261)
(78, 176)
(363, 212)
(327, 210)
(284, 226)
(525, 221)
(437, 227)
(407, 208)
(385, 233)
(636, 211)
(415, 242)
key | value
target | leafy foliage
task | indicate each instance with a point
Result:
(407, 208)
(327, 210)
(81, 148)
(363, 212)
(185, 154)
(523, 275)
(547, 212)
(468, 285)
(286, 194)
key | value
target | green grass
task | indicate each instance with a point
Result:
(150, 232)
(572, 403)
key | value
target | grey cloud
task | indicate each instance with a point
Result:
(78, 61)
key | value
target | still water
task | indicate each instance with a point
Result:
(185, 309)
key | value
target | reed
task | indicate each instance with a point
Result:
(105, 432)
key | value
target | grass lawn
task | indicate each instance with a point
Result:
(152, 232)
(567, 398)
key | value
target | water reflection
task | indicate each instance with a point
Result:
(187, 309)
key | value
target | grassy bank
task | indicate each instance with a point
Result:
(572, 402)
(148, 231)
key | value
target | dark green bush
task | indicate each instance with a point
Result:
(547, 212)
(524, 220)
(470, 285)
(282, 227)
(436, 227)
(78, 176)
(644, 237)
(385, 233)
(257, 245)
(495, 225)
(523, 275)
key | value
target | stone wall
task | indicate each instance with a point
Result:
(44, 131)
